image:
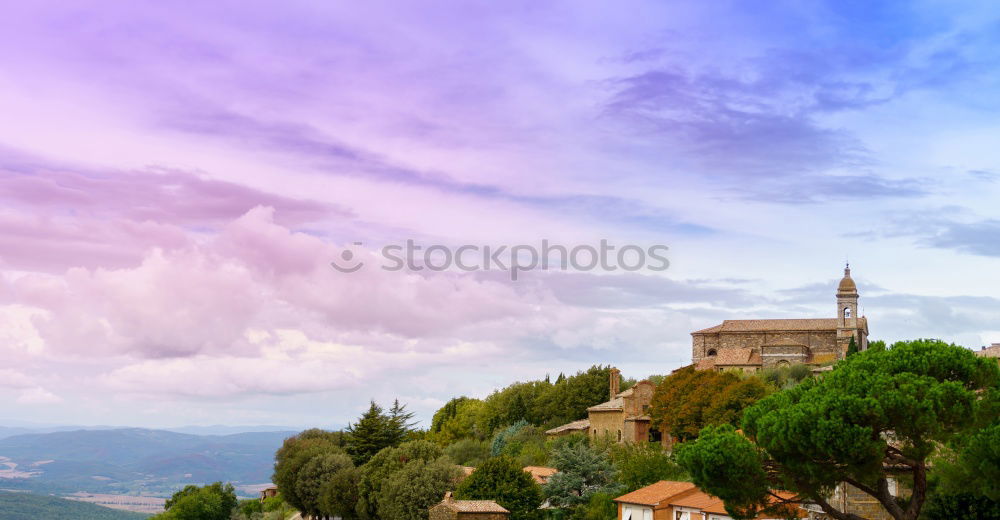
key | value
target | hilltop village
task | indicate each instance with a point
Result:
(772, 419)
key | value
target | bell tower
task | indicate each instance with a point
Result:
(847, 301)
(848, 321)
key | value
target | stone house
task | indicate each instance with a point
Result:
(750, 345)
(268, 492)
(623, 418)
(451, 509)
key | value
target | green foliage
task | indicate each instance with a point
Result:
(459, 418)
(852, 347)
(876, 345)
(971, 463)
(642, 464)
(25, 506)
(920, 394)
(293, 456)
(249, 507)
(212, 502)
(314, 475)
(600, 506)
(339, 495)
(504, 480)
(545, 404)
(786, 376)
(502, 437)
(689, 399)
(583, 471)
(376, 430)
(729, 466)
(568, 400)
(408, 493)
(522, 442)
(275, 503)
(376, 472)
(964, 506)
(468, 452)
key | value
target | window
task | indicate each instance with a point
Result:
(847, 312)
(619, 435)
(711, 352)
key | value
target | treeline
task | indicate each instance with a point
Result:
(542, 403)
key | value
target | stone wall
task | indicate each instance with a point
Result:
(608, 423)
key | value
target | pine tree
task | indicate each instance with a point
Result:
(369, 435)
(852, 348)
(400, 423)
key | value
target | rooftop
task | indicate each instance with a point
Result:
(653, 494)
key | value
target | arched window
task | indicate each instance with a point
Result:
(712, 352)
(847, 312)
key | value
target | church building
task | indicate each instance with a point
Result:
(751, 345)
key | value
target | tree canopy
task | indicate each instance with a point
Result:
(504, 480)
(212, 502)
(689, 399)
(879, 415)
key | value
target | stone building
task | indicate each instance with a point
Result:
(671, 500)
(750, 345)
(451, 509)
(624, 418)
(849, 499)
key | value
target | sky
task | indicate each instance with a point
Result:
(176, 179)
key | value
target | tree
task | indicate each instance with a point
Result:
(212, 502)
(504, 480)
(963, 506)
(569, 398)
(339, 495)
(376, 430)
(408, 493)
(295, 453)
(641, 464)
(468, 452)
(376, 472)
(689, 399)
(400, 423)
(852, 347)
(314, 475)
(458, 419)
(583, 471)
(878, 415)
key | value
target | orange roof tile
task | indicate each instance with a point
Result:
(653, 494)
(541, 474)
(700, 500)
(737, 356)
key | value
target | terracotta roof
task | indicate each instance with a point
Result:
(705, 363)
(738, 356)
(847, 285)
(615, 404)
(773, 325)
(477, 506)
(582, 424)
(541, 474)
(700, 500)
(653, 494)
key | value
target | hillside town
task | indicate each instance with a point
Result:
(633, 456)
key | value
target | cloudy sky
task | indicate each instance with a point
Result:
(176, 178)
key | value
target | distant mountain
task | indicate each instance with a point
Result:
(25, 506)
(220, 429)
(134, 460)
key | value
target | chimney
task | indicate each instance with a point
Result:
(448, 497)
(615, 382)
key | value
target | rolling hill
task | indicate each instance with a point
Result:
(134, 460)
(25, 506)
